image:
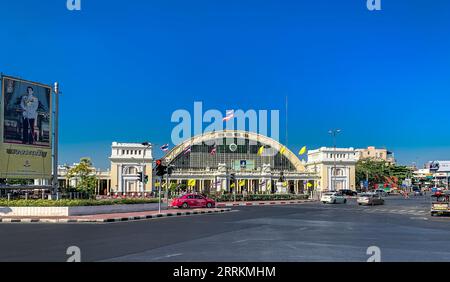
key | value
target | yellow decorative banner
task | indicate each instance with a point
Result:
(261, 150)
(302, 151)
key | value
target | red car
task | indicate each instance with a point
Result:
(193, 201)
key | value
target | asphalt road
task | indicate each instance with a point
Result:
(401, 229)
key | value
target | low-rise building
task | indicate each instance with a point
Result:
(103, 177)
(372, 152)
(128, 160)
(336, 167)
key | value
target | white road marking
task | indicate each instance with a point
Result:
(167, 256)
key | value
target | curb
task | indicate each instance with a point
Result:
(110, 220)
(248, 204)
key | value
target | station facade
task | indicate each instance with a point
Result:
(237, 161)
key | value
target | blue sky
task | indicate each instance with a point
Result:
(124, 66)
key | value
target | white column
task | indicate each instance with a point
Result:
(120, 178)
(143, 182)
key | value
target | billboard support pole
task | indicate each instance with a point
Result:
(55, 142)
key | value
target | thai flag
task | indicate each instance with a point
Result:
(187, 150)
(213, 151)
(165, 147)
(230, 115)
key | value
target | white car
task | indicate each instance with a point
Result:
(333, 198)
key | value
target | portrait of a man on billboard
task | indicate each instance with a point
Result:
(27, 111)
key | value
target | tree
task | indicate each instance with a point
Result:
(379, 171)
(85, 176)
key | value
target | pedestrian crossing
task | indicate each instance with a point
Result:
(376, 210)
(413, 212)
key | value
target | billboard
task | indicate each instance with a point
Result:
(26, 127)
(440, 166)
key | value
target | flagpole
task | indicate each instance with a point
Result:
(287, 135)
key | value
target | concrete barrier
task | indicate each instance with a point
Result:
(72, 211)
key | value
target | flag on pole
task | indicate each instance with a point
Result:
(309, 185)
(165, 147)
(261, 150)
(283, 150)
(187, 150)
(213, 151)
(229, 115)
(242, 183)
(232, 185)
(302, 151)
(192, 182)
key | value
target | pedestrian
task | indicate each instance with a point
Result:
(405, 193)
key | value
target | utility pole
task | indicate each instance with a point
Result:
(334, 133)
(55, 142)
(159, 194)
(170, 168)
(147, 146)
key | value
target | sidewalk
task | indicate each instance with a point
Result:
(261, 203)
(113, 217)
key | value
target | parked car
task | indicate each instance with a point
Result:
(381, 192)
(348, 192)
(370, 199)
(193, 201)
(333, 198)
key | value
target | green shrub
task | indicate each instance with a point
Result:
(73, 203)
(256, 197)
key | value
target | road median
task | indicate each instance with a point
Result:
(261, 203)
(114, 217)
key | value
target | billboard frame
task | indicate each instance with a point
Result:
(47, 173)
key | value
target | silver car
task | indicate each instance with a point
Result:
(370, 199)
(381, 192)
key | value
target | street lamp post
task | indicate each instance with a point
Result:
(55, 182)
(334, 133)
(147, 145)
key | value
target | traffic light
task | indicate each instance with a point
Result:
(141, 176)
(146, 179)
(233, 177)
(160, 169)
